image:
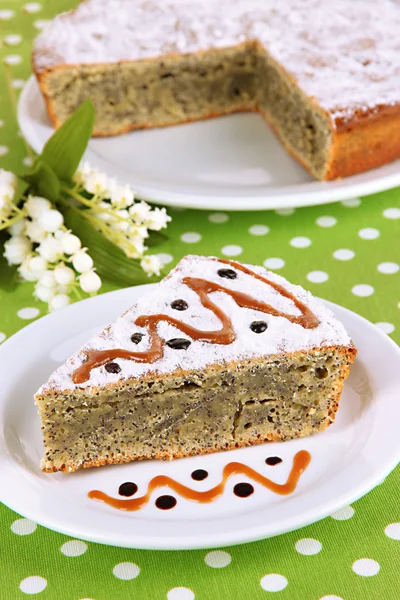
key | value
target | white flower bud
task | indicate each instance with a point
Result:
(47, 279)
(16, 249)
(25, 272)
(81, 261)
(32, 268)
(140, 211)
(97, 183)
(82, 173)
(151, 265)
(157, 219)
(70, 243)
(17, 228)
(59, 301)
(63, 275)
(34, 232)
(121, 196)
(8, 178)
(51, 220)
(50, 249)
(90, 282)
(44, 294)
(35, 206)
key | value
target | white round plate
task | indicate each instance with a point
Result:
(230, 163)
(348, 459)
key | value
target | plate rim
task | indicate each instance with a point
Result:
(327, 192)
(216, 540)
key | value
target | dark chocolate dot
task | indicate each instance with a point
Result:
(136, 338)
(258, 326)
(112, 367)
(243, 490)
(227, 273)
(127, 489)
(273, 460)
(199, 474)
(178, 343)
(165, 502)
(179, 305)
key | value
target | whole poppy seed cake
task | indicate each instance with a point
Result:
(219, 355)
(325, 75)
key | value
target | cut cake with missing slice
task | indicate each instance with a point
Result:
(219, 355)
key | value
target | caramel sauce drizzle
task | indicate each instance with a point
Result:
(225, 335)
(300, 462)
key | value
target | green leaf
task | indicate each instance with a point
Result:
(8, 275)
(64, 150)
(110, 261)
(43, 181)
(22, 186)
(155, 238)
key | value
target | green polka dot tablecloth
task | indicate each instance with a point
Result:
(347, 252)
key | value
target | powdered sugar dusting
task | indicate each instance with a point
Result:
(344, 53)
(281, 336)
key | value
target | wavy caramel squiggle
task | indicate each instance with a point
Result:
(225, 335)
(301, 461)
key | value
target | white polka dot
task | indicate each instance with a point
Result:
(13, 39)
(18, 84)
(13, 59)
(284, 212)
(28, 161)
(317, 276)
(300, 242)
(28, 313)
(330, 597)
(3, 150)
(217, 559)
(218, 218)
(326, 221)
(126, 570)
(366, 567)
(33, 585)
(74, 548)
(32, 7)
(344, 254)
(6, 14)
(351, 202)
(258, 230)
(363, 290)
(369, 233)
(2, 337)
(273, 582)
(1, 122)
(180, 593)
(385, 327)
(231, 250)
(274, 263)
(40, 23)
(388, 268)
(23, 527)
(191, 237)
(308, 546)
(165, 258)
(393, 531)
(343, 514)
(392, 213)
